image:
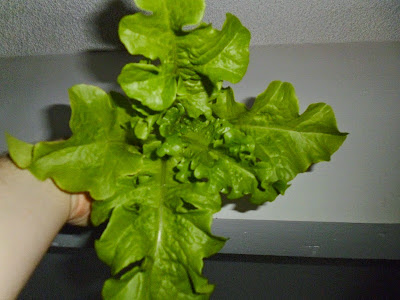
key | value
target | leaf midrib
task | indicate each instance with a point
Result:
(160, 211)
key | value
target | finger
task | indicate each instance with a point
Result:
(80, 209)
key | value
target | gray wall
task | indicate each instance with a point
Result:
(70, 26)
(360, 81)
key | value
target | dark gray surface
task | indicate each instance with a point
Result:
(285, 238)
(311, 239)
(79, 275)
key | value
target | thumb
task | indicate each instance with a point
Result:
(80, 208)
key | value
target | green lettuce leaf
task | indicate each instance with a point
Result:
(287, 143)
(157, 162)
(210, 150)
(259, 151)
(159, 229)
(192, 62)
(225, 106)
(153, 86)
(158, 234)
(96, 155)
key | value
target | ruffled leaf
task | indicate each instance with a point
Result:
(158, 234)
(199, 59)
(159, 230)
(287, 143)
(225, 106)
(155, 86)
(157, 163)
(210, 150)
(96, 156)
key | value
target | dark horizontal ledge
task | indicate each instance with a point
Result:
(281, 238)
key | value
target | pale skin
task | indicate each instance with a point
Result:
(32, 212)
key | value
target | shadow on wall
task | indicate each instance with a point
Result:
(105, 66)
(58, 116)
(241, 205)
(249, 102)
(105, 25)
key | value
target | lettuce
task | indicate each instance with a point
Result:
(192, 63)
(157, 160)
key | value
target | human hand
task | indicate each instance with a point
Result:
(80, 208)
(31, 214)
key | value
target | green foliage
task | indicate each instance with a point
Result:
(157, 161)
(192, 62)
